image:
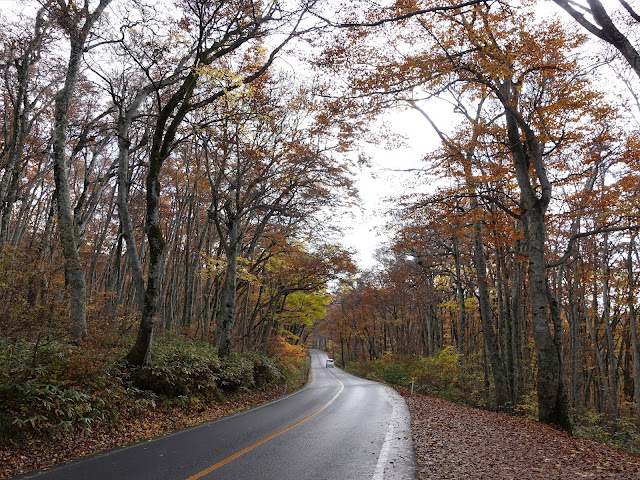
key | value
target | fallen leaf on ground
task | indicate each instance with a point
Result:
(457, 442)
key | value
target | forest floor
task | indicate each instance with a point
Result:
(43, 452)
(452, 441)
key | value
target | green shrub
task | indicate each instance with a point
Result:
(267, 371)
(46, 406)
(237, 372)
(620, 433)
(37, 394)
(396, 373)
(50, 387)
(439, 372)
(180, 368)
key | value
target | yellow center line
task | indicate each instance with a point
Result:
(266, 439)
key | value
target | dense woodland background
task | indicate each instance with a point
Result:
(521, 258)
(172, 129)
(178, 169)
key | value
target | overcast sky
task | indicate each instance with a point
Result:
(391, 173)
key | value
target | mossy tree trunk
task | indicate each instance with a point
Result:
(226, 316)
(77, 27)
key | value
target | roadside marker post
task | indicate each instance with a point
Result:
(413, 379)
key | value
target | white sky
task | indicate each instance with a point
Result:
(385, 179)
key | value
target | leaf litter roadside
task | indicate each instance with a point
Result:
(456, 442)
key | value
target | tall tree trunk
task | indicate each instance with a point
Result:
(503, 395)
(462, 314)
(635, 351)
(124, 144)
(516, 329)
(74, 273)
(225, 319)
(139, 353)
(552, 396)
(187, 307)
(504, 319)
(20, 123)
(172, 113)
(574, 340)
(606, 318)
(98, 247)
(603, 392)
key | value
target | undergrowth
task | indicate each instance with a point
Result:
(621, 433)
(52, 387)
(440, 375)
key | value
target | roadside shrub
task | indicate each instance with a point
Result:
(439, 375)
(439, 372)
(180, 367)
(390, 368)
(620, 433)
(40, 392)
(266, 371)
(50, 387)
(396, 373)
(47, 406)
(291, 360)
(237, 372)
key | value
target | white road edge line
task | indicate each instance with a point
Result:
(336, 395)
(386, 446)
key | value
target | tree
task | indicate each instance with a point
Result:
(217, 32)
(538, 102)
(23, 54)
(604, 27)
(465, 155)
(77, 22)
(263, 164)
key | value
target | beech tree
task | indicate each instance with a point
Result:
(216, 34)
(181, 129)
(23, 53)
(603, 25)
(77, 23)
(264, 165)
(535, 104)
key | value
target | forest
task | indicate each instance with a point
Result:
(175, 170)
(520, 256)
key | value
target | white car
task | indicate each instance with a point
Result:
(329, 363)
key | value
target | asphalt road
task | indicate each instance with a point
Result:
(338, 427)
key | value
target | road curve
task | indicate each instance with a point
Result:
(337, 427)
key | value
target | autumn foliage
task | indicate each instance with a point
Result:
(520, 250)
(164, 175)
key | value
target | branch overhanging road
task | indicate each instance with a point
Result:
(337, 427)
